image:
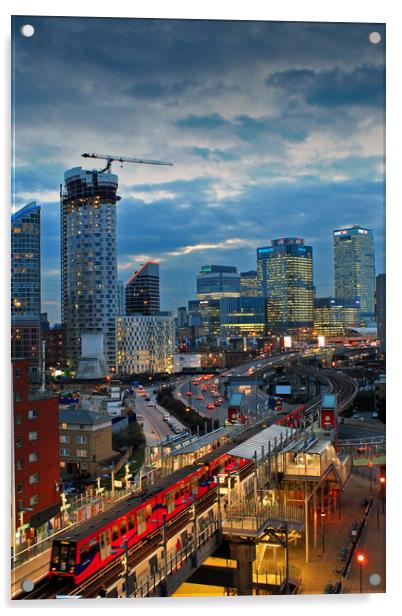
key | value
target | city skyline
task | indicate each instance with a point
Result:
(268, 138)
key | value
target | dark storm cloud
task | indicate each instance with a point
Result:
(364, 85)
(274, 129)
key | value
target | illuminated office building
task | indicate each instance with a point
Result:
(332, 316)
(145, 343)
(142, 290)
(249, 284)
(287, 267)
(26, 286)
(354, 267)
(205, 313)
(217, 281)
(88, 260)
(381, 309)
(242, 316)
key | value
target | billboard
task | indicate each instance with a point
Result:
(283, 390)
(186, 361)
(287, 342)
(321, 341)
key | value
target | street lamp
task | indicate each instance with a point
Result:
(322, 530)
(361, 560)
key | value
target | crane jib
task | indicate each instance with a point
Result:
(124, 159)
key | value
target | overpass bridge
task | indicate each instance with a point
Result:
(367, 451)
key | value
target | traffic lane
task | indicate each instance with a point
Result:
(153, 417)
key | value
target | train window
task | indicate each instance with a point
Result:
(55, 554)
(141, 523)
(123, 527)
(176, 495)
(115, 532)
(104, 542)
(84, 550)
(169, 502)
(148, 511)
(131, 522)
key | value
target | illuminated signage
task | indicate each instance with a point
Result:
(287, 342)
(321, 341)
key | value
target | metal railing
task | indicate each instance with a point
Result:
(252, 519)
(105, 500)
(147, 584)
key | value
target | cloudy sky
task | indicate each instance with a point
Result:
(275, 129)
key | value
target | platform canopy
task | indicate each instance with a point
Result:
(261, 443)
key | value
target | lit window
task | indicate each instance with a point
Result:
(33, 436)
(34, 456)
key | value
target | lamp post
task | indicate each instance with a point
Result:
(322, 530)
(361, 560)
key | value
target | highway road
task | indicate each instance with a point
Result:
(253, 402)
(150, 414)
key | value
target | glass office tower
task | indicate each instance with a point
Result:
(287, 277)
(217, 281)
(242, 316)
(332, 316)
(249, 284)
(89, 260)
(354, 267)
(142, 290)
(26, 286)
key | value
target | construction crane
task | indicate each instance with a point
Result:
(123, 159)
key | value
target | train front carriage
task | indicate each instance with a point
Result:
(63, 560)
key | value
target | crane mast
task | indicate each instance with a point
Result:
(123, 159)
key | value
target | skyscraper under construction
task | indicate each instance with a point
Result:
(88, 259)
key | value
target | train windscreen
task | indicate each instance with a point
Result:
(63, 557)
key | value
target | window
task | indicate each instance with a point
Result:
(115, 532)
(64, 438)
(19, 465)
(34, 456)
(84, 465)
(34, 478)
(33, 436)
(82, 427)
(34, 500)
(18, 373)
(19, 442)
(64, 452)
(81, 440)
(18, 396)
(18, 420)
(82, 453)
(20, 487)
(63, 426)
(33, 414)
(62, 464)
(123, 527)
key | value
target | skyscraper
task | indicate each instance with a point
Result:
(217, 281)
(354, 267)
(249, 284)
(26, 286)
(242, 316)
(88, 259)
(142, 290)
(287, 267)
(332, 316)
(380, 304)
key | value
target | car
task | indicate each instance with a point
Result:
(150, 404)
(147, 398)
(210, 406)
(199, 397)
(188, 393)
(217, 403)
(374, 415)
(166, 417)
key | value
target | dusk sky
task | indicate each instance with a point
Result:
(275, 129)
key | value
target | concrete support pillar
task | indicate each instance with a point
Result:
(244, 554)
(306, 523)
(315, 518)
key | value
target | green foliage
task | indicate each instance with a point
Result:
(186, 415)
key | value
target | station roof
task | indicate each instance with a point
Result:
(198, 443)
(256, 443)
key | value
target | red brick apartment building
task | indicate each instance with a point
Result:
(36, 452)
